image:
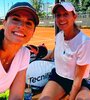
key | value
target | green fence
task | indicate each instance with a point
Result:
(83, 20)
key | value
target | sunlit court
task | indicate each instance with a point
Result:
(46, 35)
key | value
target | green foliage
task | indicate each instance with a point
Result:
(81, 5)
(88, 10)
(37, 4)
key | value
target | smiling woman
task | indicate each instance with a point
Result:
(23, 23)
(19, 26)
(72, 62)
(17, 19)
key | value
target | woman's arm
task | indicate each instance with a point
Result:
(18, 86)
(80, 70)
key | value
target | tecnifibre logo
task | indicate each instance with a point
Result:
(39, 78)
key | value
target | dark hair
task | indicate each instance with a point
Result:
(75, 25)
(42, 52)
(24, 6)
(1, 38)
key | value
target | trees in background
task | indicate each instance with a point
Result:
(81, 5)
(37, 4)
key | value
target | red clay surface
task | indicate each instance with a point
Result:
(46, 35)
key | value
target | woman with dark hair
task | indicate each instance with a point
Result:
(19, 26)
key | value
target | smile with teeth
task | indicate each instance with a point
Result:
(62, 23)
(18, 34)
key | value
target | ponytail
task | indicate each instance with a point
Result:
(1, 38)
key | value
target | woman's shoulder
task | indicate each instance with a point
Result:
(84, 36)
(24, 50)
(60, 34)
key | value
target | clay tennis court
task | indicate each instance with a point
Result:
(43, 35)
(47, 35)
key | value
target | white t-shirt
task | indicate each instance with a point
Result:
(72, 52)
(20, 62)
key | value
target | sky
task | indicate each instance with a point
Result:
(6, 4)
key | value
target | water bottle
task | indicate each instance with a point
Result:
(28, 92)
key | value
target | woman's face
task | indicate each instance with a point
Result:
(19, 27)
(65, 20)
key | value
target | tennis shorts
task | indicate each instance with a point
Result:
(65, 83)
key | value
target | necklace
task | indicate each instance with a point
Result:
(5, 62)
(6, 57)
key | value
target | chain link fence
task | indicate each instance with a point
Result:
(83, 21)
